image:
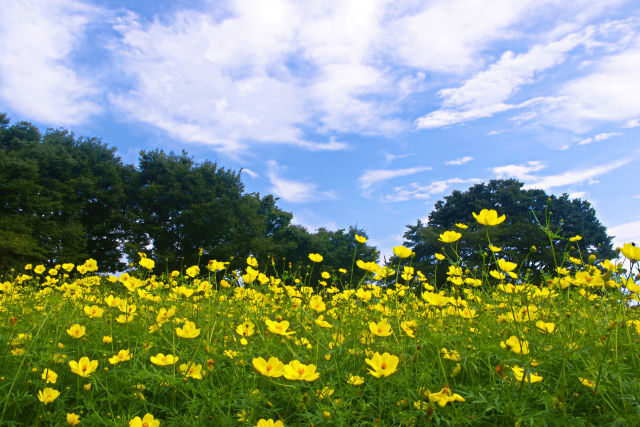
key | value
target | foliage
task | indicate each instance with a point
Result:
(528, 213)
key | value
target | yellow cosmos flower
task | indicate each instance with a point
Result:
(521, 374)
(83, 367)
(450, 236)
(122, 356)
(269, 368)
(107, 339)
(489, 217)
(93, 311)
(322, 323)
(402, 251)
(188, 330)
(546, 328)
(316, 303)
(147, 263)
(516, 345)
(506, 266)
(409, 327)
(461, 226)
(295, 370)
(575, 238)
(380, 329)
(382, 365)
(192, 371)
(315, 257)
(587, 383)
(630, 251)
(494, 248)
(251, 261)
(355, 380)
(48, 395)
(192, 271)
(450, 354)
(162, 360)
(246, 329)
(269, 423)
(76, 331)
(278, 328)
(39, 269)
(146, 421)
(439, 256)
(49, 376)
(445, 396)
(73, 419)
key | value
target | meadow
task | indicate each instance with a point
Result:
(366, 345)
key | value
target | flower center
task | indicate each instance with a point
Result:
(300, 371)
(383, 366)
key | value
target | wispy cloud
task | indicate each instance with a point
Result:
(460, 161)
(415, 191)
(37, 79)
(251, 173)
(371, 177)
(294, 191)
(599, 137)
(633, 123)
(523, 172)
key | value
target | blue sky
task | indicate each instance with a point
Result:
(351, 112)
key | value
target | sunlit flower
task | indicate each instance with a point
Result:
(83, 367)
(402, 252)
(382, 365)
(295, 370)
(489, 217)
(546, 328)
(122, 356)
(494, 248)
(48, 395)
(192, 271)
(93, 311)
(49, 376)
(188, 330)
(107, 339)
(76, 331)
(246, 329)
(450, 236)
(355, 380)
(315, 257)
(439, 256)
(147, 263)
(380, 329)
(322, 323)
(361, 239)
(445, 396)
(73, 419)
(520, 375)
(409, 327)
(163, 360)
(146, 421)
(450, 354)
(516, 345)
(39, 269)
(269, 423)
(461, 226)
(630, 251)
(194, 371)
(270, 368)
(279, 328)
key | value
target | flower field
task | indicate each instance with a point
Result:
(366, 345)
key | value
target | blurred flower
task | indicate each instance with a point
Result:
(402, 252)
(73, 419)
(76, 331)
(146, 421)
(315, 257)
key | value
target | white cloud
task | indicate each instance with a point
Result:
(633, 123)
(37, 40)
(625, 233)
(415, 191)
(599, 137)
(460, 161)
(577, 195)
(575, 176)
(251, 173)
(371, 177)
(522, 172)
(294, 191)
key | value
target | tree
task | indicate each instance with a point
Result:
(525, 212)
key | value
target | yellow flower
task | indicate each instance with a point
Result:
(439, 256)
(461, 226)
(73, 419)
(269, 423)
(94, 311)
(146, 421)
(107, 339)
(519, 374)
(278, 328)
(494, 248)
(361, 239)
(402, 252)
(575, 238)
(450, 354)
(39, 269)
(49, 376)
(269, 368)
(322, 323)
(188, 330)
(316, 303)
(506, 266)
(315, 257)
(295, 370)
(445, 396)
(194, 371)
(355, 380)
(546, 328)
(83, 367)
(629, 250)
(192, 271)
(516, 345)
(450, 236)
(147, 263)
(251, 261)
(122, 356)
(48, 395)
(383, 365)
(409, 327)
(162, 360)
(380, 329)
(76, 331)
(245, 329)
(489, 217)
(587, 383)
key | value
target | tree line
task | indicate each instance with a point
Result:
(66, 199)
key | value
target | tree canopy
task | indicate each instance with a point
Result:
(527, 211)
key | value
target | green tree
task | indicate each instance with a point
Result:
(526, 211)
